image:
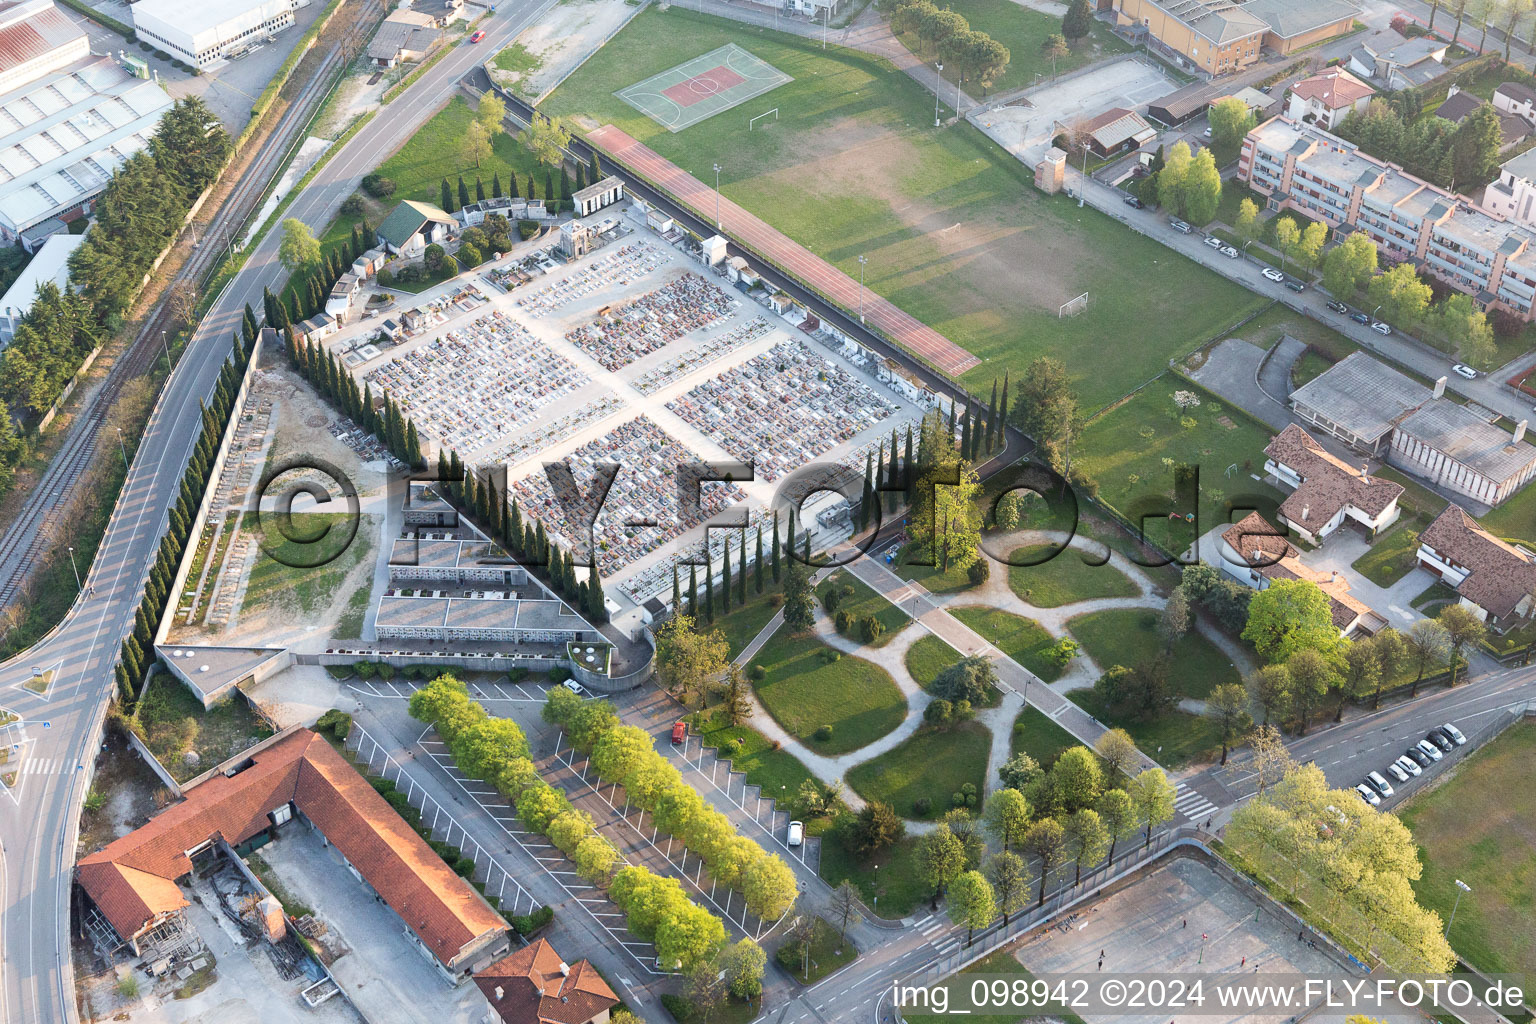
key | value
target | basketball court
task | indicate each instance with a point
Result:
(699, 89)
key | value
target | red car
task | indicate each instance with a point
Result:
(679, 732)
(479, 35)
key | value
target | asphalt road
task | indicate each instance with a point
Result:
(60, 731)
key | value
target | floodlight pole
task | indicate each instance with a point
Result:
(862, 261)
(717, 197)
(938, 87)
(72, 565)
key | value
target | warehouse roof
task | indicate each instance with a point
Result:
(1364, 396)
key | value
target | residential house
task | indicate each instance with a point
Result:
(1326, 99)
(1255, 553)
(295, 774)
(1394, 62)
(1326, 490)
(1460, 105)
(405, 37)
(533, 985)
(1516, 99)
(412, 226)
(1301, 167)
(1513, 194)
(1492, 578)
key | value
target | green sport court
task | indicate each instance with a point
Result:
(700, 88)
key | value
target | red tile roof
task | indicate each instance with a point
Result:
(1328, 483)
(530, 987)
(132, 880)
(1335, 89)
(1498, 578)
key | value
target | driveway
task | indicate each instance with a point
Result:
(1393, 603)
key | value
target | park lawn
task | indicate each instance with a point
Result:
(1042, 739)
(1476, 826)
(1173, 739)
(217, 733)
(804, 691)
(829, 951)
(1063, 578)
(1129, 636)
(1124, 449)
(1023, 31)
(928, 657)
(308, 573)
(934, 579)
(778, 772)
(1023, 640)
(434, 153)
(743, 623)
(1390, 557)
(890, 881)
(865, 602)
(854, 167)
(931, 763)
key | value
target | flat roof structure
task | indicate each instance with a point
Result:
(1363, 395)
(51, 263)
(1469, 439)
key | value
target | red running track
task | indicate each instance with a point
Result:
(911, 334)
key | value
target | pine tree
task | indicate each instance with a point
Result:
(725, 578)
(463, 193)
(757, 564)
(496, 185)
(775, 548)
(447, 197)
(479, 191)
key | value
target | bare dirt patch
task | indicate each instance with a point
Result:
(563, 38)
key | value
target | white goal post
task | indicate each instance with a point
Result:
(1072, 307)
(751, 121)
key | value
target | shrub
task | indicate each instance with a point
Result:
(757, 673)
(979, 572)
(922, 807)
(352, 206)
(378, 186)
(525, 924)
(870, 629)
(957, 799)
(559, 674)
(336, 722)
(968, 794)
(386, 277)
(824, 733)
(381, 786)
(938, 713)
(363, 669)
(516, 675)
(386, 671)
(775, 600)
(526, 229)
(843, 621)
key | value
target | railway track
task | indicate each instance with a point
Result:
(27, 539)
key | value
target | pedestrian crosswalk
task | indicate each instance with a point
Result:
(1191, 804)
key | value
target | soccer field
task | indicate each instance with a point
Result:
(950, 225)
(698, 89)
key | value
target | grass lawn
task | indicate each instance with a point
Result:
(1390, 557)
(828, 952)
(945, 218)
(1124, 450)
(1516, 518)
(933, 579)
(1023, 640)
(1279, 320)
(865, 602)
(930, 764)
(1128, 636)
(1428, 599)
(1039, 737)
(1173, 739)
(434, 153)
(778, 772)
(318, 540)
(1023, 31)
(1476, 826)
(1421, 502)
(517, 59)
(173, 722)
(928, 657)
(805, 691)
(745, 622)
(1309, 367)
(449, 270)
(1064, 578)
(889, 881)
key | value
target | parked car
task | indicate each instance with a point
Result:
(1454, 733)
(479, 35)
(1409, 765)
(1379, 783)
(1397, 771)
(1229, 252)
(679, 731)
(1380, 328)
(574, 687)
(1441, 740)
(1337, 307)
(1181, 226)
(1463, 370)
(1134, 201)
(1206, 133)
(1360, 318)
(1420, 758)
(1214, 242)
(1430, 749)
(796, 833)
(1294, 285)
(1273, 275)
(1368, 795)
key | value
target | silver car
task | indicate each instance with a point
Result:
(1409, 765)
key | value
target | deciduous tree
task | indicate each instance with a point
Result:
(1290, 616)
(1227, 706)
(971, 902)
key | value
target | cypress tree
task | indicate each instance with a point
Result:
(530, 545)
(556, 577)
(775, 556)
(741, 576)
(869, 491)
(893, 476)
(581, 177)
(550, 195)
(268, 305)
(757, 565)
(583, 598)
(124, 685)
(725, 578)
(412, 445)
(909, 468)
(1002, 412)
(471, 498)
(951, 419)
(709, 586)
(597, 605)
(597, 168)
(541, 544)
(463, 193)
(677, 597)
(568, 574)
(532, 192)
(290, 310)
(512, 184)
(789, 537)
(515, 526)
(455, 475)
(496, 185)
(442, 464)
(565, 184)
(693, 590)
(479, 191)
(965, 433)
(447, 197)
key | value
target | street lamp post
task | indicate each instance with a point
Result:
(1203, 937)
(166, 348)
(72, 565)
(1461, 887)
(938, 87)
(862, 261)
(717, 197)
(122, 448)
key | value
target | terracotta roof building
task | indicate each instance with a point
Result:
(1255, 553)
(535, 986)
(1495, 579)
(1328, 97)
(1326, 490)
(133, 880)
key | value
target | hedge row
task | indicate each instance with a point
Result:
(626, 755)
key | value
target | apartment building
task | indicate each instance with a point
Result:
(1304, 168)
